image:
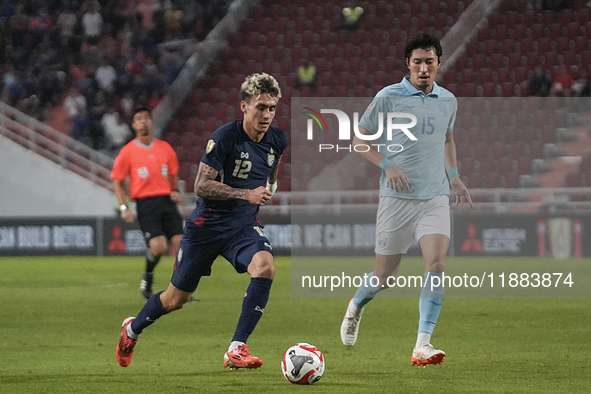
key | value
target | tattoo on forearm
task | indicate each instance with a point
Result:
(209, 188)
(218, 191)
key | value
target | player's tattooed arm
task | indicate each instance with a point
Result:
(207, 187)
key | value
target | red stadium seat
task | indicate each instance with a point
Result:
(465, 164)
(475, 181)
(469, 90)
(511, 180)
(492, 180)
(486, 165)
(573, 179)
(523, 165)
(498, 149)
(488, 89)
(508, 89)
(504, 165)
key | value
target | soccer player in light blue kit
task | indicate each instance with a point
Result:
(414, 189)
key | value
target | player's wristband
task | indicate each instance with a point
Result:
(272, 187)
(385, 164)
(122, 208)
(452, 172)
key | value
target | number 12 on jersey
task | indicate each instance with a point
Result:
(242, 168)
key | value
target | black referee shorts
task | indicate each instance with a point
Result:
(158, 216)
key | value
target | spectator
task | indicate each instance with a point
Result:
(105, 77)
(9, 78)
(92, 23)
(17, 26)
(97, 106)
(586, 89)
(125, 106)
(29, 106)
(75, 104)
(579, 84)
(40, 24)
(155, 99)
(352, 18)
(562, 82)
(138, 62)
(171, 66)
(66, 24)
(117, 132)
(540, 83)
(16, 90)
(307, 75)
(173, 23)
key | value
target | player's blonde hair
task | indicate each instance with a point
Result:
(256, 84)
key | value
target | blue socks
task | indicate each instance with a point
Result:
(151, 312)
(253, 306)
(366, 292)
(430, 302)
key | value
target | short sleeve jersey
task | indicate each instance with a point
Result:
(422, 160)
(148, 167)
(242, 164)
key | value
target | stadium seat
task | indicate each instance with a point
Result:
(486, 165)
(469, 90)
(504, 165)
(474, 181)
(498, 149)
(488, 89)
(480, 150)
(492, 180)
(573, 179)
(465, 164)
(517, 149)
(523, 165)
(508, 89)
(511, 180)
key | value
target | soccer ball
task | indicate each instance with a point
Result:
(303, 364)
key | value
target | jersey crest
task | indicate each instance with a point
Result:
(270, 159)
(210, 145)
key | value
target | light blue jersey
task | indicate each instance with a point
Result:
(422, 160)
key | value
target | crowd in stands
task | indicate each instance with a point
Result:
(97, 58)
(100, 58)
(571, 83)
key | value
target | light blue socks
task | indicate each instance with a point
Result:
(430, 302)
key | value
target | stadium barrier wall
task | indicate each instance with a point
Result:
(542, 235)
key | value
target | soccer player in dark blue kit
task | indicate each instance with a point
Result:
(237, 175)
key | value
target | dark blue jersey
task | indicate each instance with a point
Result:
(242, 164)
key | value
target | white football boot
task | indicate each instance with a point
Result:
(350, 325)
(425, 355)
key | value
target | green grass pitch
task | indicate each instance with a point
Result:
(60, 320)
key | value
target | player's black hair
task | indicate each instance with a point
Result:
(142, 108)
(423, 41)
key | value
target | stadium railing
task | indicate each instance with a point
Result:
(61, 149)
(499, 200)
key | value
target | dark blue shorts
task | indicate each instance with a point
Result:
(201, 246)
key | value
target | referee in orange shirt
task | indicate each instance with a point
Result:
(152, 167)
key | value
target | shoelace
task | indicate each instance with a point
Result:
(352, 327)
(127, 345)
(242, 351)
